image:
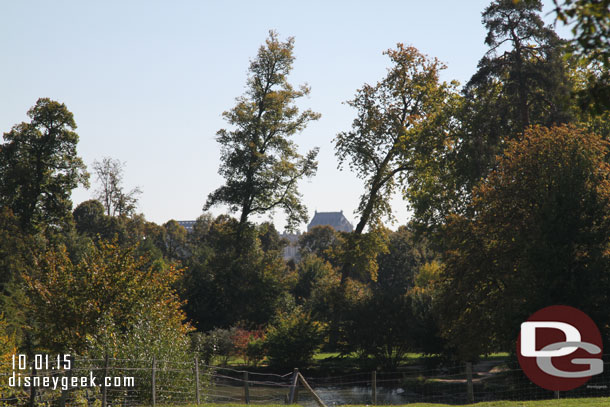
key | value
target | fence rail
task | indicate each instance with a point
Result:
(165, 382)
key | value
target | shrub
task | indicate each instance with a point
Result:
(292, 339)
(215, 343)
(255, 351)
(242, 340)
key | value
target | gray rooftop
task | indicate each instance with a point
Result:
(334, 219)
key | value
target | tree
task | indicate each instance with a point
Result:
(590, 21)
(538, 235)
(8, 349)
(396, 119)
(39, 166)
(310, 270)
(260, 163)
(109, 292)
(407, 323)
(292, 339)
(109, 173)
(398, 267)
(531, 71)
(226, 283)
(173, 241)
(522, 80)
(17, 250)
(90, 219)
(322, 241)
(400, 120)
(387, 339)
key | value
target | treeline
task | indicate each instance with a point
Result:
(507, 178)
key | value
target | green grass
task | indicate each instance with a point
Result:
(592, 402)
(322, 359)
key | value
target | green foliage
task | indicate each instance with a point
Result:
(522, 80)
(260, 163)
(532, 73)
(39, 166)
(322, 241)
(152, 333)
(380, 326)
(215, 343)
(255, 351)
(89, 219)
(399, 265)
(360, 254)
(231, 280)
(172, 241)
(590, 21)
(292, 339)
(248, 345)
(310, 270)
(17, 251)
(538, 236)
(397, 120)
(8, 348)
(150, 239)
(103, 303)
(407, 322)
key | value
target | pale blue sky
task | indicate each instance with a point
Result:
(147, 81)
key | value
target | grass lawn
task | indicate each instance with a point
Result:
(593, 402)
(333, 359)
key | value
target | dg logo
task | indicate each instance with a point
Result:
(560, 348)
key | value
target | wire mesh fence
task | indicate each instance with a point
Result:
(125, 382)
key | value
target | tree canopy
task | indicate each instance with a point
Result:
(397, 120)
(538, 236)
(39, 166)
(260, 163)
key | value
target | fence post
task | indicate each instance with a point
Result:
(64, 393)
(104, 390)
(557, 394)
(154, 395)
(293, 385)
(374, 386)
(469, 387)
(33, 388)
(310, 390)
(197, 380)
(246, 388)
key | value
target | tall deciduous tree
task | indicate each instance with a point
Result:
(260, 163)
(397, 120)
(109, 174)
(39, 166)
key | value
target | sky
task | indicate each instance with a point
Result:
(147, 81)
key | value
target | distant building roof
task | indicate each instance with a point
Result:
(187, 224)
(334, 219)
